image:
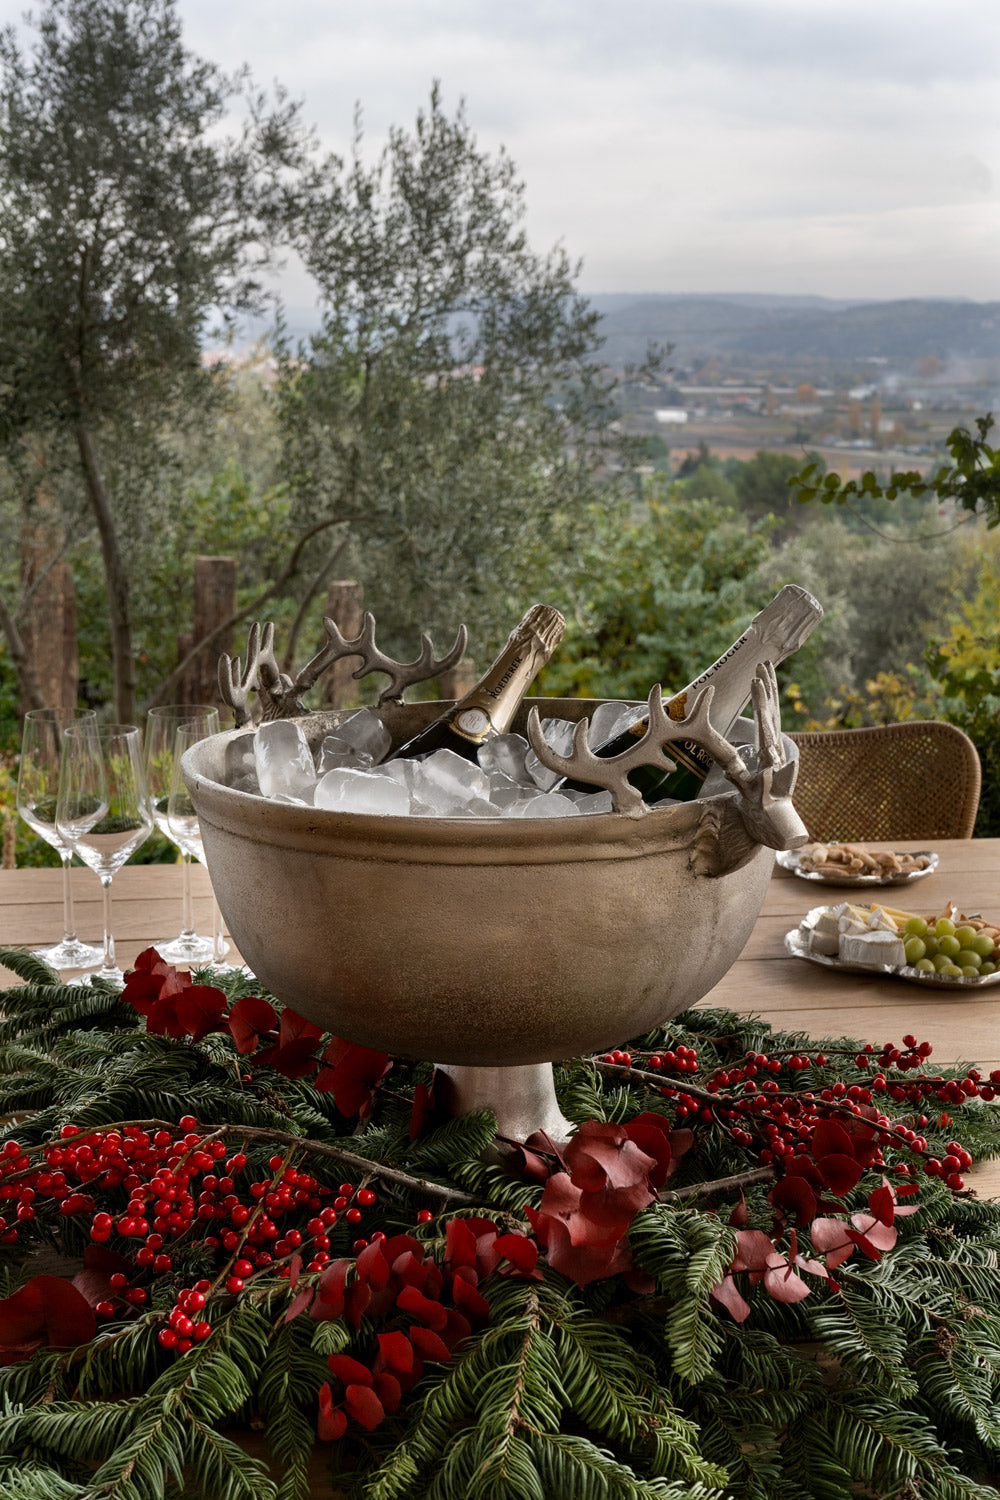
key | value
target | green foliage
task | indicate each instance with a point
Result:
(126, 221)
(451, 421)
(657, 597)
(885, 1384)
(971, 481)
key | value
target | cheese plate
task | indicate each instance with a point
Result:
(798, 941)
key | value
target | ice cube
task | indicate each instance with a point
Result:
(591, 802)
(558, 734)
(283, 759)
(546, 805)
(504, 756)
(445, 782)
(360, 740)
(609, 719)
(347, 790)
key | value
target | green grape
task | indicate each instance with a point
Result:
(926, 965)
(966, 936)
(968, 959)
(944, 927)
(989, 967)
(949, 944)
(950, 968)
(914, 948)
(916, 925)
(970, 971)
(942, 961)
(982, 943)
(931, 944)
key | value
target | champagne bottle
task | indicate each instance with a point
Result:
(779, 629)
(488, 709)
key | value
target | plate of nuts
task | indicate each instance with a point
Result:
(854, 864)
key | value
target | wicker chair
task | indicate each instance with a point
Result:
(918, 780)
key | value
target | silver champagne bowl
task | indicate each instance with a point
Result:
(490, 947)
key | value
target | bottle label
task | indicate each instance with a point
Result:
(473, 724)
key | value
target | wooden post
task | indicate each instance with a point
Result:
(49, 625)
(214, 601)
(459, 679)
(344, 606)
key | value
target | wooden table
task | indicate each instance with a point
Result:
(789, 992)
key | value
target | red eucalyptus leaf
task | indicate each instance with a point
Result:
(361, 1403)
(583, 1264)
(832, 1239)
(829, 1137)
(461, 1243)
(652, 1134)
(801, 1166)
(882, 1203)
(784, 1284)
(411, 1269)
(200, 1009)
(373, 1266)
(300, 1303)
(792, 1195)
(424, 1309)
(601, 1156)
(639, 1281)
(603, 1218)
(519, 1250)
(874, 1234)
(423, 1104)
(470, 1300)
(350, 1072)
(99, 1265)
(727, 1292)
(295, 1059)
(332, 1421)
(356, 1301)
(839, 1173)
(399, 1244)
(162, 1019)
(46, 1310)
(396, 1351)
(740, 1214)
(329, 1303)
(456, 1329)
(251, 1021)
(293, 1025)
(430, 1344)
(754, 1250)
(388, 1390)
(350, 1371)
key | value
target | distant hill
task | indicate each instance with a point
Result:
(757, 329)
(761, 329)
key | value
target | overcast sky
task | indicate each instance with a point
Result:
(840, 147)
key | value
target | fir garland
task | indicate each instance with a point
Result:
(434, 1346)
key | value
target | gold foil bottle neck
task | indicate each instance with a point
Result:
(543, 625)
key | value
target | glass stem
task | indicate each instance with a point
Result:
(218, 935)
(69, 920)
(187, 920)
(109, 942)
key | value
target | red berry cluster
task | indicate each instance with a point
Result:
(777, 1121)
(179, 1187)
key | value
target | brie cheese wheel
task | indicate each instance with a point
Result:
(875, 948)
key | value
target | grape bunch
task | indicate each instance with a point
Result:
(943, 946)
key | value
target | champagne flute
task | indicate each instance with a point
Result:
(161, 728)
(185, 830)
(37, 787)
(102, 811)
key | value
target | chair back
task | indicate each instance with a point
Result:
(918, 780)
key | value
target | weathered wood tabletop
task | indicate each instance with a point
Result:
(765, 980)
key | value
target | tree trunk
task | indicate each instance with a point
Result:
(31, 695)
(116, 580)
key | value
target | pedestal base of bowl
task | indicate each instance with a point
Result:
(522, 1097)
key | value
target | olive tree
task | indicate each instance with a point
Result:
(128, 217)
(450, 422)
